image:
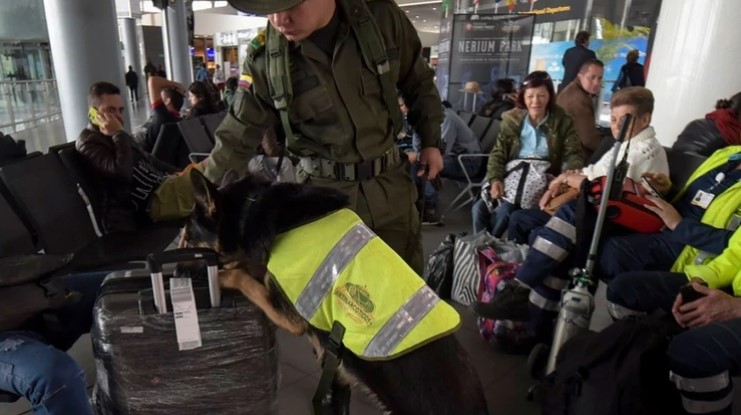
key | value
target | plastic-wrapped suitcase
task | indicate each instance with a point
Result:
(140, 367)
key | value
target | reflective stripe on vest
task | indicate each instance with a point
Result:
(336, 269)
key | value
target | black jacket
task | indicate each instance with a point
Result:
(132, 79)
(110, 162)
(572, 61)
(700, 137)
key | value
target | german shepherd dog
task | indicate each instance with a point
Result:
(241, 221)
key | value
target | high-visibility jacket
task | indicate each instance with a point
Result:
(337, 269)
(714, 270)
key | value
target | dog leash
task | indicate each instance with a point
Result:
(322, 400)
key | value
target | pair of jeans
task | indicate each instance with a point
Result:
(452, 168)
(33, 363)
(494, 222)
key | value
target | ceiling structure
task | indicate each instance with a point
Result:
(425, 15)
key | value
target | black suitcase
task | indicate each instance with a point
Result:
(140, 369)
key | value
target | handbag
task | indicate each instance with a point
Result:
(466, 272)
(510, 336)
(438, 273)
(626, 208)
(465, 266)
(525, 182)
(567, 194)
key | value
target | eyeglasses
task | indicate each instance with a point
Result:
(537, 77)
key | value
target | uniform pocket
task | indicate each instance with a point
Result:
(370, 83)
(311, 104)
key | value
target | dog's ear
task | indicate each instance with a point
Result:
(205, 193)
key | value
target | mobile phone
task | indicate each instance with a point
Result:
(651, 189)
(92, 114)
(689, 294)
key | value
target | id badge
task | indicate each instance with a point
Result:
(702, 199)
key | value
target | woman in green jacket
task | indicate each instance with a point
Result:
(537, 129)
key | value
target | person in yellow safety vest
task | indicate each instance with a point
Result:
(704, 358)
(346, 274)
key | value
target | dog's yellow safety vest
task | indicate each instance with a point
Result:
(337, 269)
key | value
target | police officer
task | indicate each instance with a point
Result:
(329, 73)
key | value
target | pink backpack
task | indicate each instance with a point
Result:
(511, 336)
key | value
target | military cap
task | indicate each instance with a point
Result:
(263, 6)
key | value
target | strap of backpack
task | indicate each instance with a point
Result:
(521, 184)
(279, 78)
(373, 48)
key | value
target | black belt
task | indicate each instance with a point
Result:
(364, 170)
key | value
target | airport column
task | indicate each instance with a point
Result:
(85, 48)
(692, 62)
(131, 46)
(182, 70)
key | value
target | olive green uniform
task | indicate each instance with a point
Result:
(339, 115)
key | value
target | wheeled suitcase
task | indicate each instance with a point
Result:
(141, 368)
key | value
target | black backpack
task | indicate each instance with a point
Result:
(27, 288)
(622, 370)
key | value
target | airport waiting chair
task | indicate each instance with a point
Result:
(16, 238)
(681, 167)
(212, 122)
(466, 116)
(170, 146)
(60, 220)
(196, 138)
(80, 173)
(472, 183)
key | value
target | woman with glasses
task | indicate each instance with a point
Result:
(537, 129)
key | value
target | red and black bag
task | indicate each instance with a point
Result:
(626, 206)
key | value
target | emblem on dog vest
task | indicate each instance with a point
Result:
(336, 269)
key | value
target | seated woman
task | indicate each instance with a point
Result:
(704, 358)
(536, 290)
(718, 129)
(201, 100)
(538, 128)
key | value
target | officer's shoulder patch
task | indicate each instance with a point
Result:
(257, 45)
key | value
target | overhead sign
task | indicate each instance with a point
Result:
(546, 10)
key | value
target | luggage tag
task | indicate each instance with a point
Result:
(187, 329)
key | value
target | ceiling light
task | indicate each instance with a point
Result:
(416, 17)
(434, 8)
(425, 20)
(407, 11)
